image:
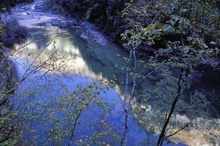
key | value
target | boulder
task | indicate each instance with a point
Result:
(28, 13)
(84, 36)
(101, 40)
(21, 10)
(98, 37)
(71, 22)
(25, 8)
(38, 8)
(55, 22)
(63, 24)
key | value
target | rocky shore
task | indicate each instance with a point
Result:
(40, 16)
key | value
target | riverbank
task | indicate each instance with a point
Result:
(35, 14)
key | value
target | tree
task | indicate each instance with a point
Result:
(25, 108)
(180, 43)
(105, 14)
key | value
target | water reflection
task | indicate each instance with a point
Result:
(70, 54)
(70, 60)
(54, 71)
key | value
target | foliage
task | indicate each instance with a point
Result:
(159, 23)
(7, 134)
(7, 4)
(180, 42)
(76, 117)
(106, 14)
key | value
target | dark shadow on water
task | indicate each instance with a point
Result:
(209, 84)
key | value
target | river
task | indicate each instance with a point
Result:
(56, 63)
(52, 64)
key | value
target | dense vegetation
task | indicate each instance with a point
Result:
(174, 20)
(183, 35)
(106, 14)
(10, 33)
(7, 4)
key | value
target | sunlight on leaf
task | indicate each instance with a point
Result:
(3, 9)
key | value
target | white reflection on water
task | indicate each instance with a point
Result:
(72, 55)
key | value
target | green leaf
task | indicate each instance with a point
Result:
(194, 42)
(3, 9)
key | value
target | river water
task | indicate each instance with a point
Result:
(56, 63)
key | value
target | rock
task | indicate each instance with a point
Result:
(55, 22)
(71, 22)
(38, 8)
(77, 27)
(32, 7)
(4, 51)
(21, 10)
(25, 8)
(63, 24)
(101, 41)
(28, 13)
(55, 9)
(84, 36)
(62, 11)
(98, 37)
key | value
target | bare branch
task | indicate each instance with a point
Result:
(177, 131)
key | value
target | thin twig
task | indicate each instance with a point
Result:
(177, 131)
